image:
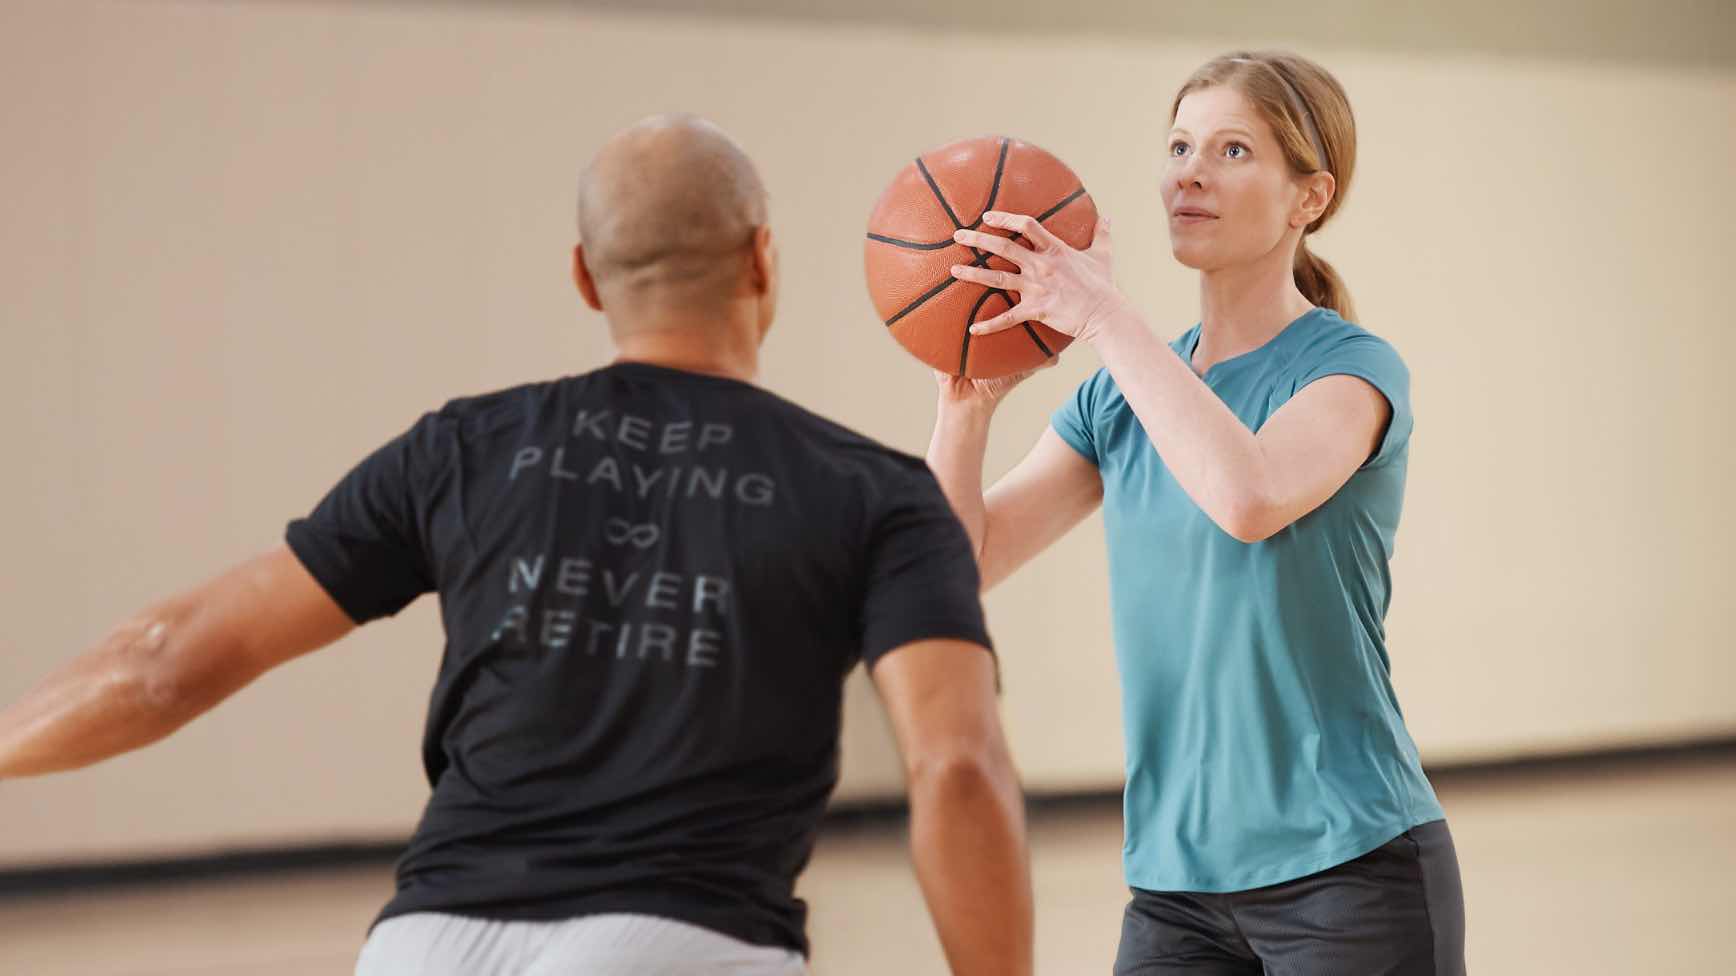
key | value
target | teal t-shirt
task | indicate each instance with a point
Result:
(1264, 741)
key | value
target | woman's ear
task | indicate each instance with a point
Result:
(1318, 189)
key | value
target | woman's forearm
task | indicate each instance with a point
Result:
(955, 454)
(1215, 458)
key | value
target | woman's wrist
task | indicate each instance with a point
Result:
(965, 412)
(1114, 319)
(961, 435)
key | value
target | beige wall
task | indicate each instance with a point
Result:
(244, 244)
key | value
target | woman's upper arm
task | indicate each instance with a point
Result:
(1036, 503)
(1312, 446)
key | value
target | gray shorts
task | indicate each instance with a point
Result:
(435, 944)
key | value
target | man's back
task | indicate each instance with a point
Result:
(653, 584)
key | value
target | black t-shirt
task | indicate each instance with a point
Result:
(653, 584)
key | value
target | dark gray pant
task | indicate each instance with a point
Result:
(1398, 910)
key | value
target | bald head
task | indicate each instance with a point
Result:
(669, 204)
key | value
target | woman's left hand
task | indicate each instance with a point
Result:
(1068, 290)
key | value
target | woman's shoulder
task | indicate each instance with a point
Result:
(1328, 336)
(1327, 326)
(1333, 346)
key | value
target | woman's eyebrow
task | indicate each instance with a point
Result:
(1228, 130)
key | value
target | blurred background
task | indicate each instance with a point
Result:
(245, 243)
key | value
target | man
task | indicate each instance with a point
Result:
(654, 578)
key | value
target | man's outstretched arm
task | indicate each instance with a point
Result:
(967, 812)
(170, 664)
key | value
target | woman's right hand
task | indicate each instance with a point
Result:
(984, 395)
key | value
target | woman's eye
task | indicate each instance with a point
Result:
(1178, 149)
(1235, 150)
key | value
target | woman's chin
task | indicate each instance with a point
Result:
(1192, 256)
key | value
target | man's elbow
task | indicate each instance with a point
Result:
(989, 576)
(149, 658)
(959, 770)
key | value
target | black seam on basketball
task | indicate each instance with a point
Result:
(925, 296)
(994, 188)
(912, 245)
(982, 257)
(1052, 211)
(994, 194)
(970, 319)
(1039, 341)
(937, 194)
(980, 261)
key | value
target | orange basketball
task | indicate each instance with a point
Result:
(910, 251)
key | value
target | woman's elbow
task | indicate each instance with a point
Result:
(1252, 518)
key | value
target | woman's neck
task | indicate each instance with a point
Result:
(1243, 307)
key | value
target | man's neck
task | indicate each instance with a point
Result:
(717, 350)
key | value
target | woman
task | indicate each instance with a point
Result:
(1251, 474)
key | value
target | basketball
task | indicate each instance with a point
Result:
(910, 252)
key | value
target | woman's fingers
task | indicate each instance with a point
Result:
(1017, 315)
(1057, 284)
(1004, 280)
(994, 244)
(1040, 237)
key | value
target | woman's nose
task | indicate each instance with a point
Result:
(1187, 173)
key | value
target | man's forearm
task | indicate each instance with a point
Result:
(169, 665)
(967, 837)
(110, 700)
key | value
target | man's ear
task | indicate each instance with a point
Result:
(765, 261)
(582, 278)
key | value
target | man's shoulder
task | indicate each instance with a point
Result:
(483, 412)
(848, 445)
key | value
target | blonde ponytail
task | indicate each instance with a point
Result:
(1318, 281)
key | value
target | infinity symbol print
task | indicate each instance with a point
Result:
(620, 532)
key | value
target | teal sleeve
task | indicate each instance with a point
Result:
(1073, 419)
(1373, 359)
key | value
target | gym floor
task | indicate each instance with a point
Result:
(1626, 867)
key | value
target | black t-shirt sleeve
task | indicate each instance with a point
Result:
(365, 543)
(922, 581)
